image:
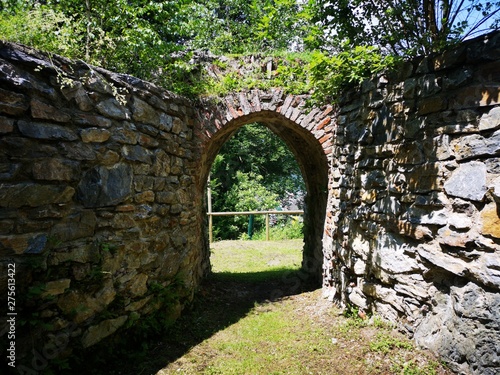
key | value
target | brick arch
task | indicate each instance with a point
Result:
(307, 131)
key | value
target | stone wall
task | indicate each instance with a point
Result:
(413, 228)
(97, 213)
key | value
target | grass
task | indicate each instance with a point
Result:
(256, 315)
(246, 257)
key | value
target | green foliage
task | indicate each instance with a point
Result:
(406, 28)
(288, 230)
(331, 74)
(41, 27)
(384, 343)
(248, 193)
(242, 26)
(413, 368)
(144, 38)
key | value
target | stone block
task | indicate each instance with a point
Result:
(53, 169)
(31, 243)
(490, 120)
(110, 158)
(490, 217)
(78, 151)
(409, 153)
(431, 105)
(390, 253)
(416, 215)
(81, 253)
(113, 109)
(54, 288)
(96, 135)
(388, 205)
(102, 186)
(358, 298)
(143, 112)
(80, 225)
(39, 130)
(137, 305)
(460, 221)
(166, 197)
(447, 236)
(6, 125)
(44, 111)
(123, 221)
(75, 90)
(418, 232)
(102, 330)
(145, 197)
(137, 286)
(33, 195)
(161, 164)
(412, 285)
(137, 153)
(476, 145)
(90, 119)
(12, 103)
(387, 295)
(468, 181)
(433, 254)
(424, 178)
(147, 141)
(126, 134)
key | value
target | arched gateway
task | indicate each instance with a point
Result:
(306, 131)
(102, 179)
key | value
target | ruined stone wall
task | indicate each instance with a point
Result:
(413, 226)
(97, 209)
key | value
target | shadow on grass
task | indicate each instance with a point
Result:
(223, 299)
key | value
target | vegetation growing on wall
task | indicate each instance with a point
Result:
(326, 45)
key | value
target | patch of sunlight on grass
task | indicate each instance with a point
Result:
(255, 256)
(295, 334)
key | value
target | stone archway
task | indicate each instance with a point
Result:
(306, 131)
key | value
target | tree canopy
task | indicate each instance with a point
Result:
(344, 41)
(403, 27)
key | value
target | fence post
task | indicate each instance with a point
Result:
(210, 216)
(250, 226)
(210, 224)
(267, 226)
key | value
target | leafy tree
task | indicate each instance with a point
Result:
(128, 36)
(41, 27)
(254, 149)
(249, 194)
(408, 27)
(240, 26)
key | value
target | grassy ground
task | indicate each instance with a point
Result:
(256, 316)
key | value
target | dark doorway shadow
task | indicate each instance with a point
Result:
(222, 300)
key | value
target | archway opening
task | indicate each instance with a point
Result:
(255, 171)
(313, 165)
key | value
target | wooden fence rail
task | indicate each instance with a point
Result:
(267, 213)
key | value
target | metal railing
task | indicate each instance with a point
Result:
(267, 213)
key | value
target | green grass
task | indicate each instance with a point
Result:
(236, 257)
(255, 316)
